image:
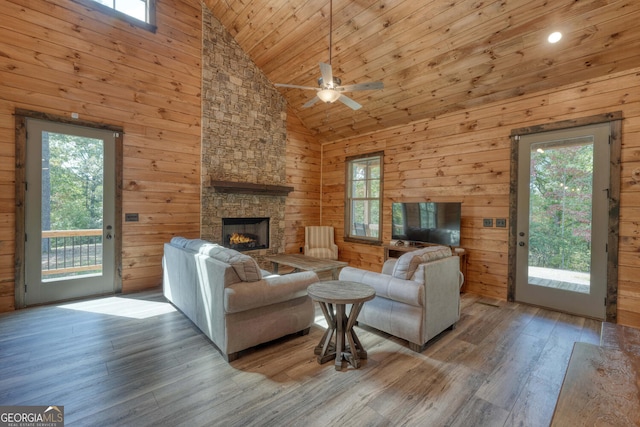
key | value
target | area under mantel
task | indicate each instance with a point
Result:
(248, 188)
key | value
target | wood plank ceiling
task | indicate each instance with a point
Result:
(433, 56)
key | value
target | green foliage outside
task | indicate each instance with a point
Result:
(72, 198)
(560, 207)
(365, 194)
(75, 173)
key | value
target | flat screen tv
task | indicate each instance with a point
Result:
(426, 222)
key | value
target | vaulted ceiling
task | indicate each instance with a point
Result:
(433, 56)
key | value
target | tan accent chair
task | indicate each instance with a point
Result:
(319, 243)
(417, 295)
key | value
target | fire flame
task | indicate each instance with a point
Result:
(237, 239)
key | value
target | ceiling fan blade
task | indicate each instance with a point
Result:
(310, 102)
(361, 86)
(295, 86)
(327, 74)
(349, 102)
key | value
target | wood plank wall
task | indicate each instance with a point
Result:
(303, 173)
(464, 157)
(58, 57)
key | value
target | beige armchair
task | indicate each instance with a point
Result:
(319, 243)
(417, 295)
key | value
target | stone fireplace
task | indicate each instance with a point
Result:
(245, 234)
(244, 134)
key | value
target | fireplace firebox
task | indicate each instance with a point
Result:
(245, 234)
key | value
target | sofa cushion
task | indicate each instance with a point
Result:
(180, 242)
(246, 267)
(408, 263)
(389, 265)
(386, 286)
(243, 296)
(196, 244)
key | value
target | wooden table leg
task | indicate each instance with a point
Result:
(340, 335)
(355, 351)
(325, 350)
(357, 345)
(347, 344)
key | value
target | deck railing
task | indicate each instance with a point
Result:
(65, 252)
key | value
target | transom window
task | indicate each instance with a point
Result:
(137, 12)
(138, 9)
(364, 197)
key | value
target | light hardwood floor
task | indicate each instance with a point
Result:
(134, 360)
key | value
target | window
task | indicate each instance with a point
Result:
(137, 12)
(364, 197)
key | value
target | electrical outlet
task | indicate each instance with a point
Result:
(131, 217)
(501, 222)
(487, 222)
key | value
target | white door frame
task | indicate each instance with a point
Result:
(21, 117)
(592, 303)
(614, 121)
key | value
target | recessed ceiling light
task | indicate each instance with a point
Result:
(554, 37)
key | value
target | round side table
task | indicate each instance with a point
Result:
(337, 294)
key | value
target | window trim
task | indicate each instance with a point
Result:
(149, 26)
(347, 200)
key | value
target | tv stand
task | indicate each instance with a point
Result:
(394, 251)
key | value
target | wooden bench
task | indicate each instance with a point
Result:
(602, 383)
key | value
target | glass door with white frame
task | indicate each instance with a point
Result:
(69, 212)
(562, 219)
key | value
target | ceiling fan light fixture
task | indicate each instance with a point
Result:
(331, 88)
(328, 95)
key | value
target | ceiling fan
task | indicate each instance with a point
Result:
(330, 88)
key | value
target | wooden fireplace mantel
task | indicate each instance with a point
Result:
(248, 188)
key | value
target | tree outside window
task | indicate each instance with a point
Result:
(561, 206)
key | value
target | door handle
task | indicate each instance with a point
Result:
(108, 235)
(521, 244)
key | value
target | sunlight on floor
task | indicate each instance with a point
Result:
(123, 307)
(320, 321)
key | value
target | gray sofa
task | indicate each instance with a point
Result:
(230, 299)
(417, 295)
